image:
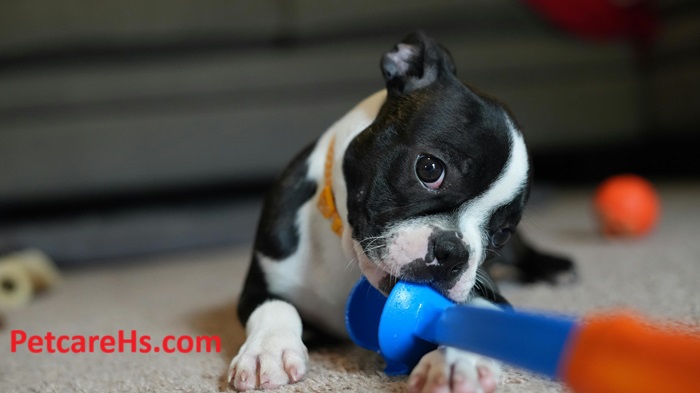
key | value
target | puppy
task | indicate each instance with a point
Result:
(421, 182)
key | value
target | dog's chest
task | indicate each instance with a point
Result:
(318, 277)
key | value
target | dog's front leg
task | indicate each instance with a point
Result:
(273, 353)
(449, 369)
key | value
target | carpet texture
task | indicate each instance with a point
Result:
(195, 294)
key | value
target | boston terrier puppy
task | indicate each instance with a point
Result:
(422, 181)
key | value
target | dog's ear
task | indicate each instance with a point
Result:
(414, 63)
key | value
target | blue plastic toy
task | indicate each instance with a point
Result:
(611, 352)
(414, 319)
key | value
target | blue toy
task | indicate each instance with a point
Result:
(603, 353)
(414, 319)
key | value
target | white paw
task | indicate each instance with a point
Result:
(451, 370)
(268, 360)
(273, 354)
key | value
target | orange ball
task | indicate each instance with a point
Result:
(627, 205)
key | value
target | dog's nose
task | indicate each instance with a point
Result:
(451, 253)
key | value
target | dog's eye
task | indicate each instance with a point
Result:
(501, 237)
(430, 171)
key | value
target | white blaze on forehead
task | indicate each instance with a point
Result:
(475, 214)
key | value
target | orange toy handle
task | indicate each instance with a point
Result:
(621, 353)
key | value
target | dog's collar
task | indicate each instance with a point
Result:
(326, 200)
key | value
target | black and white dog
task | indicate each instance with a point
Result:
(421, 181)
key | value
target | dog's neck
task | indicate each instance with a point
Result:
(326, 162)
(326, 199)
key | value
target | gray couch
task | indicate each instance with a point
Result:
(119, 97)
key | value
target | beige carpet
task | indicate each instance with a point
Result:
(195, 294)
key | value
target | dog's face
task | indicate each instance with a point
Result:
(438, 181)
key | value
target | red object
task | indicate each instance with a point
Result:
(627, 205)
(601, 19)
(621, 353)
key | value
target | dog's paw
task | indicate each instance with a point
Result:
(451, 370)
(268, 360)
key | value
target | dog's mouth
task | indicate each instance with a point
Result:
(375, 271)
(384, 278)
(387, 284)
(380, 274)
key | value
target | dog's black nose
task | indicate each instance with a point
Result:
(451, 253)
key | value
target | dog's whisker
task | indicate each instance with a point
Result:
(377, 267)
(484, 282)
(372, 246)
(375, 248)
(371, 239)
(350, 262)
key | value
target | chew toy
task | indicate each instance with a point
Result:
(603, 353)
(22, 274)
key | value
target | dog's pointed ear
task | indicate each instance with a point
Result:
(414, 63)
